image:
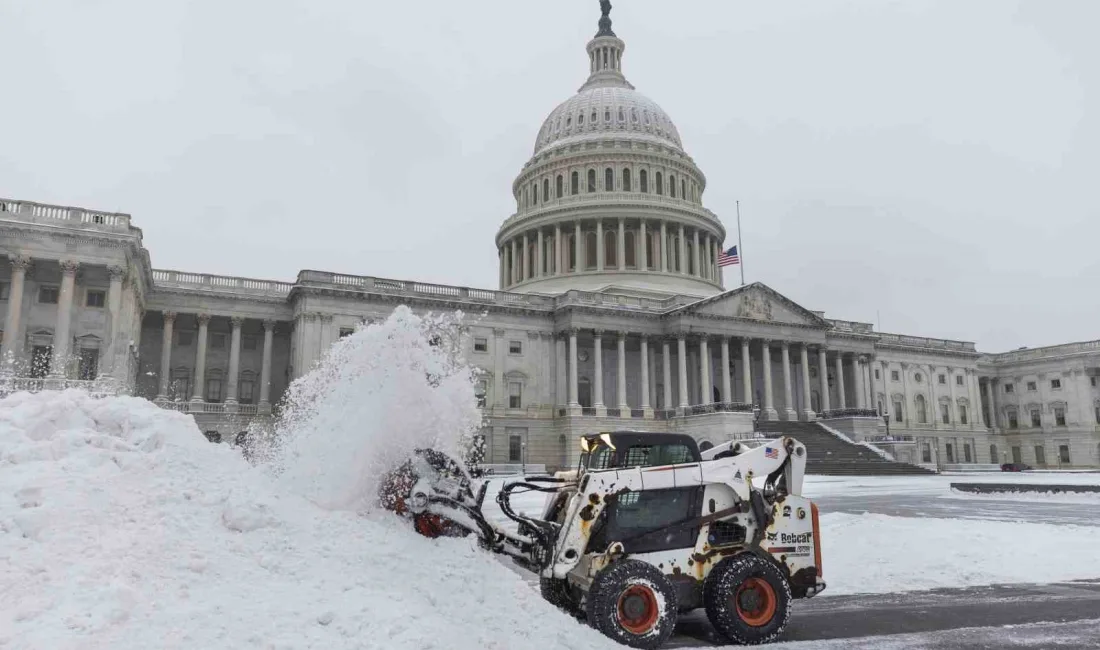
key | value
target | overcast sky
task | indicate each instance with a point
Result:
(932, 167)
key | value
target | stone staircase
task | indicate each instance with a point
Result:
(830, 455)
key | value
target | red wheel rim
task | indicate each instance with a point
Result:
(637, 609)
(429, 525)
(755, 602)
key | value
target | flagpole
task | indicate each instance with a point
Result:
(740, 248)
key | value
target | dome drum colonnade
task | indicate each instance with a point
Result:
(610, 189)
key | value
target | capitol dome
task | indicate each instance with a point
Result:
(610, 201)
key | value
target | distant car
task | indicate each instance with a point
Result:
(1015, 467)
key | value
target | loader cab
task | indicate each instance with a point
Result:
(626, 449)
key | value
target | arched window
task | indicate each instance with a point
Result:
(622, 115)
(561, 186)
(609, 180)
(660, 190)
(630, 254)
(526, 196)
(571, 244)
(683, 190)
(575, 183)
(546, 189)
(922, 410)
(626, 180)
(590, 250)
(691, 256)
(651, 250)
(643, 180)
(674, 245)
(246, 387)
(610, 248)
(535, 193)
(591, 180)
(530, 261)
(580, 119)
(214, 386)
(671, 186)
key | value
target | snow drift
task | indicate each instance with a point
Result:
(122, 527)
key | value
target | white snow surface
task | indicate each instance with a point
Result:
(122, 527)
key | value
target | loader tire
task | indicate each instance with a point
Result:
(633, 603)
(558, 593)
(747, 599)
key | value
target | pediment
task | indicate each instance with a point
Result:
(755, 302)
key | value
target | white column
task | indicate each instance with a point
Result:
(265, 368)
(166, 354)
(621, 358)
(841, 398)
(727, 395)
(599, 246)
(644, 359)
(560, 262)
(768, 412)
(234, 359)
(622, 244)
(13, 323)
(514, 274)
(500, 268)
(61, 332)
(573, 403)
(706, 393)
(578, 249)
(714, 262)
(694, 269)
(746, 371)
(200, 360)
(642, 256)
(666, 361)
(991, 421)
(681, 350)
(664, 247)
(861, 388)
(524, 270)
(540, 255)
(597, 383)
(977, 419)
(788, 393)
(823, 376)
(114, 307)
(807, 398)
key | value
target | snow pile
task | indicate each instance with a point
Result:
(378, 395)
(874, 553)
(122, 527)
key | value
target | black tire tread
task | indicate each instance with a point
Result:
(602, 603)
(724, 580)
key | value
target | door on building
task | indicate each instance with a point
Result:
(1040, 455)
(1017, 457)
(993, 458)
(40, 360)
(966, 453)
(584, 393)
(89, 364)
(950, 453)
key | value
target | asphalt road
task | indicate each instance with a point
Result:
(1062, 615)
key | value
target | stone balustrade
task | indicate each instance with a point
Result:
(900, 340)
(216, 408)
(220, 283)
(630, 199)
(62, 215)
(1049, 352)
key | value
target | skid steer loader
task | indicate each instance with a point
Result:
(645, 528)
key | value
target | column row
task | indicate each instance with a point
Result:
(621, 245)
(236, 324)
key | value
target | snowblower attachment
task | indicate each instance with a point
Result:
(645, 527)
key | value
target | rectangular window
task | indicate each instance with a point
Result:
(894, 376)
(89, 364)
(1098, 415)
(480, 389)
(959, 380)
(646, 515)
(95, 298)
(876, 373)
(1009, 388)
(481, 345)
(47, 295)
(945, 413)
(1032, 386)
(943, 379)
(1055, 384)
(926, 453)
(217, 341)
(515, 395)
(1040, 455)
(245, 391)
(1036, 420)
(249, 342)
(5, 290)
(962, 414)
(515, 449)
(966, 454)
(897, 411)
(1059, 417)
(213, 390)
(1014, 422)
(515, 347)
(1092, 380)
(346, 331)
(184, 339)
(950, 453)
(1017, 457)
(1063, 454)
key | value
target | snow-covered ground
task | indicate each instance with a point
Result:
(122, 527)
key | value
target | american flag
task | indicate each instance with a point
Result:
(729, 258)
(771, 453)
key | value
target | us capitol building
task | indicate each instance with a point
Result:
(610, 313)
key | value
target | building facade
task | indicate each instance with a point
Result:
(610, 313)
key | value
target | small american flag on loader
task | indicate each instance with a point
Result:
(770, 452)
